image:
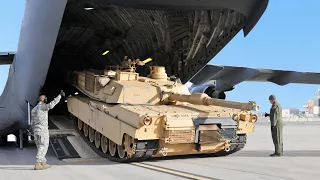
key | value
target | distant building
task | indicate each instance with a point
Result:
(311, 109)
(288, 112)
(313, 105)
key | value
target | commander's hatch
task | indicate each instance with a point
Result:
(6, 58)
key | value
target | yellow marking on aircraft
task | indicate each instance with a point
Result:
(147, 60)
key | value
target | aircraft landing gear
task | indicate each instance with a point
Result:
(22, 139)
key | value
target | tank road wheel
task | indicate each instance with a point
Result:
(97, 139)
(121, 151)
(91, 134)
(85, 130)
(112, 148)
(129, 145)
(104, 144)
(80, 124)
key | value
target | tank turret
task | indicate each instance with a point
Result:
(204, 99)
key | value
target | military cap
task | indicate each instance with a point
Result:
(272, 97)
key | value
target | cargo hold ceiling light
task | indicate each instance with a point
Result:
(106, 52)
(88, 8)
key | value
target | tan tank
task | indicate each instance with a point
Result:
(127, 117)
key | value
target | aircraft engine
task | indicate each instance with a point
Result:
(210, 90)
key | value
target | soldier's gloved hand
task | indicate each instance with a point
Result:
(62, 93)
(266, 114)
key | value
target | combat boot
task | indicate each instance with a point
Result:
(38, 166)
(275, 155)
(45, 165)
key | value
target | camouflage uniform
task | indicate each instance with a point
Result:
(276, 126)
(126, 64)
(40, 127)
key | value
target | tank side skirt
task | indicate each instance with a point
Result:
(122, 124)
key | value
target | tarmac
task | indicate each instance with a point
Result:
(301, 160)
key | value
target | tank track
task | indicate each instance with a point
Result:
(137, 157)
(236, 145)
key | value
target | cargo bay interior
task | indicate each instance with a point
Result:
(181, 40)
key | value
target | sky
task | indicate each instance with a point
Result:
(284, 38)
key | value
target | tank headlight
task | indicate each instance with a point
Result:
(254, 118)
(147, 121)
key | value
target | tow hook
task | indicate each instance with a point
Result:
(227, 147)
(164, 151)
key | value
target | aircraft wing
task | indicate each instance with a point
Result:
(6, 57)
(233, 75)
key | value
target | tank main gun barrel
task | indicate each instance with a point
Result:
(204, 99)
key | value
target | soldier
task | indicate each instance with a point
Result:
(127, 62)
(276, 125)
(40, 129)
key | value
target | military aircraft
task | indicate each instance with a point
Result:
(58, 37)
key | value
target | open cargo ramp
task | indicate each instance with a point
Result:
(67, 143)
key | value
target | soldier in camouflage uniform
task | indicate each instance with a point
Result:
(40, 129)
(276, 125)
(126, 63)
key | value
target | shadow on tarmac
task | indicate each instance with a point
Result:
(10, 155)
(247, 154)
(289, 153)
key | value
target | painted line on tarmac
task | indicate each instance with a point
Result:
(173, 172)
